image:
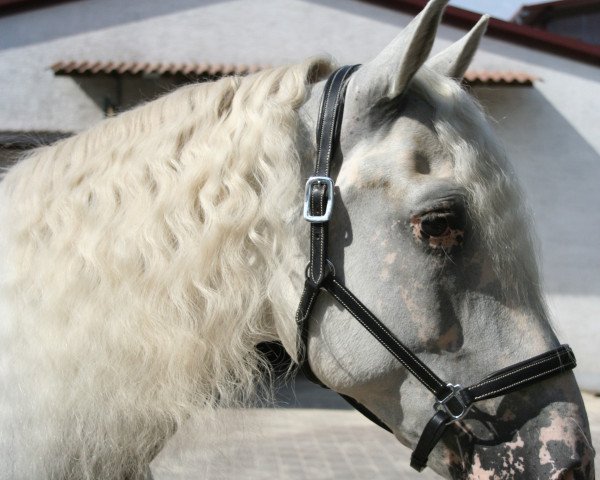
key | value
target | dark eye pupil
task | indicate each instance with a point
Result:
(434, 227)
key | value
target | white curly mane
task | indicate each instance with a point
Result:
(143, 261)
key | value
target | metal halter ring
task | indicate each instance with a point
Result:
(455, 393)
(331, 268)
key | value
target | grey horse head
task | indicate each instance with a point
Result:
(429, 230)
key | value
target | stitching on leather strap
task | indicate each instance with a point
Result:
(326, 103)
(377, 337)
(312, 240)
(533, 377)
(330, 136)
(308, 308)
(323, 227)
(493, 379)
(404, 349)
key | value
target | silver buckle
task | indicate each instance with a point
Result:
(455, 393)
(328, 209)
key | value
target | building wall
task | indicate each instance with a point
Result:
(550, 131)
(559, 171)
(585, 27)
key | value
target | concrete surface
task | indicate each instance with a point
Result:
(315, 436)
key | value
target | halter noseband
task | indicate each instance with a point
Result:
(452, 401)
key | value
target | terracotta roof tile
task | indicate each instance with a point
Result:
(472, 77)
(145, 68)
(486, 77)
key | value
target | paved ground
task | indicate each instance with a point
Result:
(315, 437)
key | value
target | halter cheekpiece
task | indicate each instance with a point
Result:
(452, 401)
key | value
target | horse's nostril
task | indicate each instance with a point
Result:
(579, 468)
(571, 474)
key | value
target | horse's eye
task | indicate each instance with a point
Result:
(435, 226)
(439, 228)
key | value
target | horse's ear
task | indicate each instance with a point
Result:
(454, 60)
(388, 74)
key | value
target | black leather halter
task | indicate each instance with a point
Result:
(452, 401)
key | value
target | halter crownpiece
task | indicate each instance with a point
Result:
(452, 401)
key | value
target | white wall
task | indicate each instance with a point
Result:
(243, 31)
(550, 131)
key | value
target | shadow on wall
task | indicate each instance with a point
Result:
(116, 93)
(560, 174)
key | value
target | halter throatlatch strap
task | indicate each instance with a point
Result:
(452, 401)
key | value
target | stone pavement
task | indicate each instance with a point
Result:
(315, 436)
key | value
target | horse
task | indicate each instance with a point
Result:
(144, 260)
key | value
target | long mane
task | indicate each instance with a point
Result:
(146, 258)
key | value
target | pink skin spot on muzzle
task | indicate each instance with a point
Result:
(564, 430)
(480, 473)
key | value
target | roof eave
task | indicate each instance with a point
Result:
(510, 32)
